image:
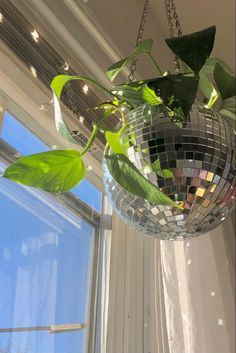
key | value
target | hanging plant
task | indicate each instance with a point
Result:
(172, 94)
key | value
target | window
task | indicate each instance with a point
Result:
(47, 255)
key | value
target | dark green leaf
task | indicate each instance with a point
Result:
(194, 48)
(178, 92)
(53, 171)
(129, 177)
(164, 173)
(143, 47)
(225, 81)
(114, 140)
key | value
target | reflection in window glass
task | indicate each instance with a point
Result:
(45, 265)
(25, 142)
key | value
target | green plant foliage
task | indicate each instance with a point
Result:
(129, 177)
(144, 47)
(225, 81)
(53, 171)
(194, 48)
(150, 96)
(178, 92)
(164, 173)
(209, 66)
(114, 140)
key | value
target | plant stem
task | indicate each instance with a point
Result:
(155, 63)
(212, 101)
(90, 141)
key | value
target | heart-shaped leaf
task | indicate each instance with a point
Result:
(143, 47)
(178, 92)
(53, 171)
(225, 81)
(129, 177)
(194, 48)
(114, 140)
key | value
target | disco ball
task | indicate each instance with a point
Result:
(200, 163)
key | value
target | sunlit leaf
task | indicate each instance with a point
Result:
(53, 171)
(143, 47)
(164, 173)
(114, 140)
(150, 96)
(129, 177)
(225, 81)
(60, 123)
(130, 92)
(195, 48)
(206, 86)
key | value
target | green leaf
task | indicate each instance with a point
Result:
(60, 123)
(114, 140)
(164, 173)
(143, 47)
(149, 96)
(206, 86)
(209, 66)
(178, 92)
(225, 81)
(130, 92)
(53, 171)
(116, 68)
(129, 177)
(194, 48)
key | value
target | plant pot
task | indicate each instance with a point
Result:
(195, 165)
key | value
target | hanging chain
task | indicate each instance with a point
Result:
(133, 65)
(172, 17)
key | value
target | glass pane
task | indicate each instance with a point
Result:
(45, 264)
(24, 141)
(19, 137)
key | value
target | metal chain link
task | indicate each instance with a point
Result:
(133, 65)
(172, 17)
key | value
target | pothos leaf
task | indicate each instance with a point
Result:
(178, 92)
(209, 66)
(194, 48)
(114, 140)
(53, 171)
(225, 81)
(137, 93)
(60, 123)
(143, 47)
(57, 86)
(129, 177)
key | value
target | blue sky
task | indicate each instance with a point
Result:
(45, 257)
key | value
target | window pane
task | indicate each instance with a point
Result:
(45, 264)
(19, 137)
(24, 141)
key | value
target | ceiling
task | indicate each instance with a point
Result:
(196, 15)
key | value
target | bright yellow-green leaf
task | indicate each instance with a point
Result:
(114, 140)
(53, 171)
